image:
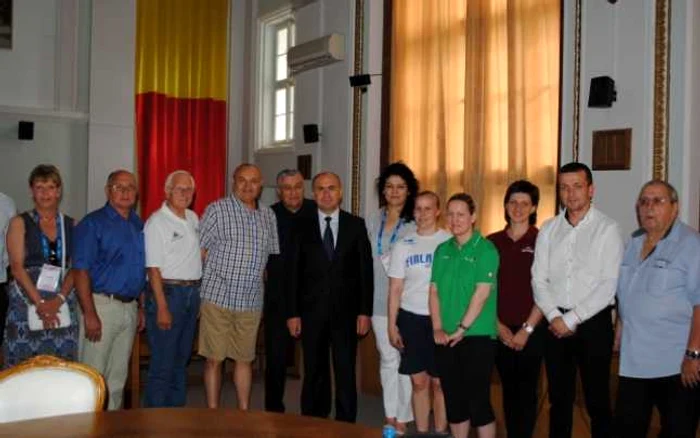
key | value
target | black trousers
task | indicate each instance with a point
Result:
(322, 338)
(279, 346)
(465, 376)
(589, 349)
(520, 375)
(678, 407)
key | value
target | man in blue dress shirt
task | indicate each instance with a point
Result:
(110, 275)
(659, 302)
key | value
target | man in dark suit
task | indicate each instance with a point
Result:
(291, 208)
(330, 302)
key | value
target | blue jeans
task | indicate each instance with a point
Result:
(171, 349)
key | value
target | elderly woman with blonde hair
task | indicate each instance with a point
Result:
(41, 317)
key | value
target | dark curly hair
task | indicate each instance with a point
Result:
(523, 186)
(405, 173)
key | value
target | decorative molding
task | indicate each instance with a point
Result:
(357, 108)
(577, 81)
(662, 57)
(46, 114)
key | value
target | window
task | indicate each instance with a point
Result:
(276, 88)
(474, 97)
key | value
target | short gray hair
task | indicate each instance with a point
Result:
(171, 177)
(113, 176)
(672, 193)
(285, 173)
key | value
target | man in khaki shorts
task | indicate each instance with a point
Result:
(237, 234)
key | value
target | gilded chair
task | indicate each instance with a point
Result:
(45, 386)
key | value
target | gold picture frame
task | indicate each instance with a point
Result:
(662, 32)
(357, 111)
(577, 81)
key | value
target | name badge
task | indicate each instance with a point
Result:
(386, 261)
(48, 278)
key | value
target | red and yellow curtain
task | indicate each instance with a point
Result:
(181, 78)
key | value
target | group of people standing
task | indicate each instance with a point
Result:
(446, 306)
(442, 299)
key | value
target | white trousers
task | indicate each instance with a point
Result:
(396, 388)
(112, 353)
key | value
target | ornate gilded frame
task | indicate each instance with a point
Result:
(357, 112)
(49, 362)
(662, 58)
(577, 81)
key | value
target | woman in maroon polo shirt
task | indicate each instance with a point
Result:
(519, 355)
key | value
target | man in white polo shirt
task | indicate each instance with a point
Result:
(174, 263)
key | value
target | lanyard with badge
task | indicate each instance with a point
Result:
(51, 275)
(385, 258)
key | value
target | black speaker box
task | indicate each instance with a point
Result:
(360, 80)
(310, 133)
(602, 93)
(25, 131)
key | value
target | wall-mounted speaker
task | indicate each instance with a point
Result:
(25, 131)
(310, 133)
(360, 80)
(602, 93)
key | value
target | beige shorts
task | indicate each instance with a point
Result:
(226, 333)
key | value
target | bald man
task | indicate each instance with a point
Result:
(109, 267)
(237, 235)
(330, 301)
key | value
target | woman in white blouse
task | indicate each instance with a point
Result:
(397, 188)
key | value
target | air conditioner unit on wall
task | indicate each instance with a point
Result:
(316, 53)
(298, 4)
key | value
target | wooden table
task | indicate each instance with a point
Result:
(182, 423)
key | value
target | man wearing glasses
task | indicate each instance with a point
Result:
(110, 274)
(659, 327)
(174, 264)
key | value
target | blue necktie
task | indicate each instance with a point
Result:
(328, 239)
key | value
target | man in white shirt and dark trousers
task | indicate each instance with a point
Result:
(574, 276)
(174, 263)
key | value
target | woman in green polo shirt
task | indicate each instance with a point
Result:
(463, 313)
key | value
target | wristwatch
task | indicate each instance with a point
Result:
(528, 328)
(692, 354)
(463, 327)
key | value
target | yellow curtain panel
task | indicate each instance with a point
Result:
(181, 85)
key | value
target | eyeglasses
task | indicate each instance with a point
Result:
(652, 202)
(123, 189)
(183, 190)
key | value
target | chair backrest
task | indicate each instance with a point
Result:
(45, 386)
